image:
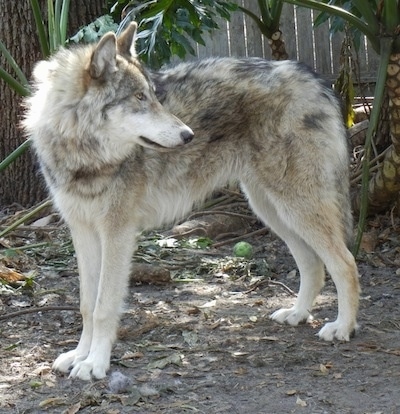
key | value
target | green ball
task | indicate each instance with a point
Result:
(243, 249)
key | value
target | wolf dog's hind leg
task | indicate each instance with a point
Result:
(311, 267)
(88, 252)
(318, 221)
(321, 221)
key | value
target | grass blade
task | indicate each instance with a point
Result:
(22, 220)
(64, 21)
(44, 42)
(18, 87)
(13, 64)
(14, 155)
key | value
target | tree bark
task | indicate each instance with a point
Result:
(384, 186)
(278, 47)
(21, 182)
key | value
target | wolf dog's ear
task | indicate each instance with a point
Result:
(126, 41)
(104, 58)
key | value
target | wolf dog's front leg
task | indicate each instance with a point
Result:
(88, 251)
(117, 246)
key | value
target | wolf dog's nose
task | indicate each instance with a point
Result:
(187, 135)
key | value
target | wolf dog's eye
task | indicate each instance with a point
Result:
(140, 96)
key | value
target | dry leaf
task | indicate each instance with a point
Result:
(132, 355)
(150, 274)
(163, 362)
(193, 311)
(323, 368)
(44, 221)
(10, 276)
(52, 402)
(241, 371)
(270, 338)
(301, 402)
(73, 409)
(209, 304)
(369, 241)
(239, 354)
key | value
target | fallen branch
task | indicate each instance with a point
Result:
(38, 309)
(269, 282)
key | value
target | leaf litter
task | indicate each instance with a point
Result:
(198, 339)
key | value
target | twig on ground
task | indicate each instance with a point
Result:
(38, 309)
(242, 237)
(268, 282)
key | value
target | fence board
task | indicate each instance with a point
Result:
(253, 34)
(315, 47)
(323, 50)
(237, 39)
(373, 62)
(288, 29)
(336, 45)
(217, 43)
(305, 49)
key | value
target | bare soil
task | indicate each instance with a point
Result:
(201, 342)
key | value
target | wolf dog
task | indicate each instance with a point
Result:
(124, 149)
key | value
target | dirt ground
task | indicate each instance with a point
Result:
(201, 342)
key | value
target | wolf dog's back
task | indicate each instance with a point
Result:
(278, 118)
(117, 161)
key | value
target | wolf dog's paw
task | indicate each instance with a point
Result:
(89, 368)
(66, 361)
(291, 316)
(337, 330)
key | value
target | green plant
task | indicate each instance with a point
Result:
(268, 22)
(379, 21)
(50, 40)
(168, 27)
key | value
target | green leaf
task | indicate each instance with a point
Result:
(14, 84)
(64, 20)
(167, 26)
(43, 38)
(391, 15)
(386, 48)
(23, 82)
(95, 30)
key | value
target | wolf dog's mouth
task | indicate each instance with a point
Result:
(151, 144)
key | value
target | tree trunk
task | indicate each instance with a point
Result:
(277, 46)
(384, 186)
(21, 182)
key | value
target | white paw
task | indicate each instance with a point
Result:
(65, 361)
(291, 316)
(336, 330)
(90, 367)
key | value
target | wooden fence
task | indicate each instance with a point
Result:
(316, 47)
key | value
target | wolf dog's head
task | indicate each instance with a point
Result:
(97, 101)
